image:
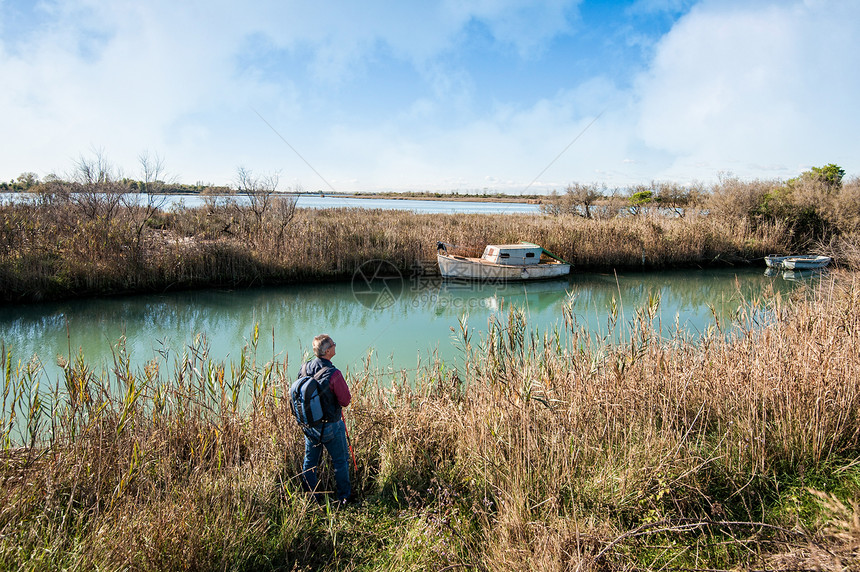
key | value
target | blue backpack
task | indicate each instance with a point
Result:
(308, 396)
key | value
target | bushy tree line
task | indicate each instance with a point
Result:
(97, 171)
(24, 182)
(597, 201)
(818, 205)
(30, 182)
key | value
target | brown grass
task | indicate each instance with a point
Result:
(53, 250)
(83, 238)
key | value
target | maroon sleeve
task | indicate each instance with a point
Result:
(340, 389)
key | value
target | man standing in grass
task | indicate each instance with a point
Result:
(332, 433)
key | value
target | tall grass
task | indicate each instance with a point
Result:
(88, 237)
(547, 451)
(53, 249)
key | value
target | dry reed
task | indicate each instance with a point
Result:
(53, 250)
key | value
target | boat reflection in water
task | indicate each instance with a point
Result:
(454, 298)
(795, 275)
(800, 275)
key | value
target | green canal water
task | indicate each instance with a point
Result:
(388, 325)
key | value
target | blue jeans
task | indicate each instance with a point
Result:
(333, 438)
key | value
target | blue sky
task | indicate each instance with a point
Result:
(504, 96)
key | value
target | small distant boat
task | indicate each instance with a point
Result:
(806, 262)
(796, 261)
(502, 262)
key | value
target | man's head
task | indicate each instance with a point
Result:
(322, 344)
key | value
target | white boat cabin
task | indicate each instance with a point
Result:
(512, 254)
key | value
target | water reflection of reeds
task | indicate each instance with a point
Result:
(417, 323)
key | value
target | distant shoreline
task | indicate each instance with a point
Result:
(496, 198)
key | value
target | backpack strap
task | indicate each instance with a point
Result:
(318, 374)
(303, 371)
(327, 389)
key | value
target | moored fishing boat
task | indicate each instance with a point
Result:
(811, 262)
(502, 262)
(796, 261)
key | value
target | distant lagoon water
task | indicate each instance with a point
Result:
(339, 201)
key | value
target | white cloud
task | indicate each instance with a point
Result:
(122, 94)
(740, 85)
(757, 88)
(170, 77)
(552, 142)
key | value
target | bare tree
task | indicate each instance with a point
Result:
(584, 197)
(612, 205)
(259, 191)
(94, 170)
(552, 204)
(152, 169)
(677, 198)
(283, 211)
(578, 199)
(98, 191)
(265, 207)
(142, 209)
(153, 182)
(221, 209)
(733, 198)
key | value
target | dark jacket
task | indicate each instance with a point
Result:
(338, 396)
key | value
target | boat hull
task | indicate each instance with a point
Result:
(805, 262)
(463, 268)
